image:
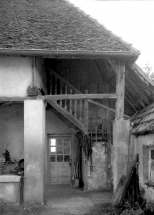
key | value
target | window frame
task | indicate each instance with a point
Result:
(57, 154)
(147, 164)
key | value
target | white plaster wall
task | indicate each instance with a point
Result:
(15, 75)
(55, 125)
(12, 130)
(139, 142)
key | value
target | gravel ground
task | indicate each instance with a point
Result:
(63, 200)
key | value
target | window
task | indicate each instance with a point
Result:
(151, 176)
(148, 163)
(60, 150)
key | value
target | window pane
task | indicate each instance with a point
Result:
(66, 150)
(59, 158)
(152, 154)
(53, 142)
(66, 142)
(53, 158)
(59, 150)
(152, 171)
(53, 150)
(59, 142)
(66, 158)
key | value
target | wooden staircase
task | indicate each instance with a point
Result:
(75, 110)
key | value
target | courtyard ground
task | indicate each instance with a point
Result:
(64, 200)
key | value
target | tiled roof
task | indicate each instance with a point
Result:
(143, 122)
(54, 25)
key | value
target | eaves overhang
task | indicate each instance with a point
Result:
(71, 54)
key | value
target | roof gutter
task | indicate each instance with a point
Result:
(68, 53)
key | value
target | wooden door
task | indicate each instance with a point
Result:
(60, 160)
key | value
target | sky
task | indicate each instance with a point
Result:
(133, 21)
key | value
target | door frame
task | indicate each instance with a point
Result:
(49, 136)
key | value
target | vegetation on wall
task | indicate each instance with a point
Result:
(86, 143)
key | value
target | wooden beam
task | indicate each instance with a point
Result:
(105, 107)
(81, 96)
(120, 89)
(16, 99)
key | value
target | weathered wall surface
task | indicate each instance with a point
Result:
(145, 140)
(97, 173)
(15, 76)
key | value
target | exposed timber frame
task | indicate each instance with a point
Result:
(120, 89)
(81, 96)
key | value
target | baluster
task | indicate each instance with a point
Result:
(65, 106)
(55, 85)
(75, 108)
(80, 110)
(71, 102)
(86, 117)
(61, 92)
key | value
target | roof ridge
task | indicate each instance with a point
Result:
(102, 26)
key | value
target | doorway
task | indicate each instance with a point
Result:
(60, 160)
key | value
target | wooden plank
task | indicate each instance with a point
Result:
(120, 90)
(105, 107)
(81, 96)
(66, 114)
(124, 182)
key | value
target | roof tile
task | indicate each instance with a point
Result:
(52, 25)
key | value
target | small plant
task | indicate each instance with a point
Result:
(132, 212)
(149, 209)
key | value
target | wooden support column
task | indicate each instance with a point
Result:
(120, 89)
(121, 129)
(84, 159)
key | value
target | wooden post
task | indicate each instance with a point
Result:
(120, 89)
(85, 161)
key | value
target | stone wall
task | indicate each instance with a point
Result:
(98, 172)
